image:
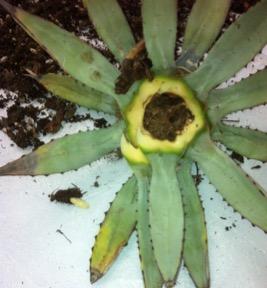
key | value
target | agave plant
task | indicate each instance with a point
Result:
(167, 120)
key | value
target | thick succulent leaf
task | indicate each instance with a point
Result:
(80, 60)
(245, 94)
(112, 26)
(166, 215)
(72, 90)
(204, 24)
(115, 231)
(237, 46)
(67, 153)
(195, 252)
(234, 185)
(151, 273)
(249, 143)
(159, 26)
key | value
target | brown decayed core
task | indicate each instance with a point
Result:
(166, 116)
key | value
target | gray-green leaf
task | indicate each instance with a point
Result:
(195, 243)
(245, 94)
(67, 153)
(112, 26)
(166, 215)
(229, 179)
(72, 90)
(236, 47)
(159, 25)
(115, 231)
(151, 273)
(203, 26)
(249, 143)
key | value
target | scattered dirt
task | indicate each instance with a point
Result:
(166, 115)
(96, 184)
(64, 195)
(228, 228)
(256, 167)
(63, 234)
(25, 122)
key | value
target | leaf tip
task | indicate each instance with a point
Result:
(170, 284)
(95, 275)
(20, 166)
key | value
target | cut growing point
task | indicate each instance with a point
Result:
(169, 115)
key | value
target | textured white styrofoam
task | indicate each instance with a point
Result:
(34, 255)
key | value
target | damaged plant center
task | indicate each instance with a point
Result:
(166, 116)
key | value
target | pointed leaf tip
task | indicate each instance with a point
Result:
(115, 231)
(95, 275)
(67, 153)
(21, 166)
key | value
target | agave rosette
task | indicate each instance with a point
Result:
(160, 201)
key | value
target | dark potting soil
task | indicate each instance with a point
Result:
(26, 122)
(166, 115)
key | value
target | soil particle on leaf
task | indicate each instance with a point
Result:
(237, 157)
(166, 116)
(198, 178)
